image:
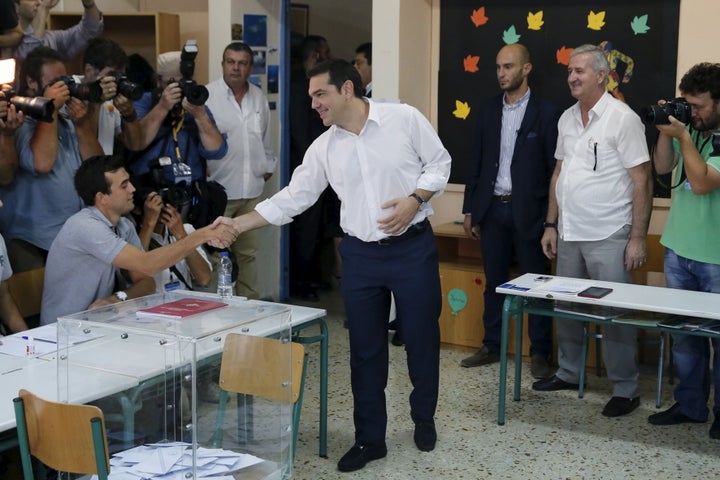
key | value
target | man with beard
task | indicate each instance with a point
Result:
(507, 196)
(598, 215)
(692, 259)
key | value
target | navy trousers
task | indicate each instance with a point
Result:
(408, 269)
(499, 243)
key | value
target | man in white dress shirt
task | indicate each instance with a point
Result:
(385, 162)
(242, 115)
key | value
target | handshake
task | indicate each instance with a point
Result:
(226, 230)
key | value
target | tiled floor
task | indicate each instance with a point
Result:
(546, 436)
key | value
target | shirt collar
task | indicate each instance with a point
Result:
(519, 103)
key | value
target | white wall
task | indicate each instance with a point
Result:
(345, 24)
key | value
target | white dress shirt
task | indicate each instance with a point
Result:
(594, 190)
(247, 128)
(396, 153)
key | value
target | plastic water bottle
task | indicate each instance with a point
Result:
(224, 279)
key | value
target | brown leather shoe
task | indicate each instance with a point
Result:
(481, 357)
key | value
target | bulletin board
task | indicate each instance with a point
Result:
(640, 38)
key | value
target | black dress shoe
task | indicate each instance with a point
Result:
(672, 416)
(359, 455)
(396, 340)
(552, 384)
(425, 436)
(618, 406)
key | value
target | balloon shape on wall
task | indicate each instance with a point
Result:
(457, 299)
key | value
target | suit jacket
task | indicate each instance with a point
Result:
(532, 164)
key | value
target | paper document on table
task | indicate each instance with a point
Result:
(18, 346)
(562, 286)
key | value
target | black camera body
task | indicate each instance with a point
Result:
(658, 114)
(91, 92)
(39, 108)
(195, 94)
(130, 90)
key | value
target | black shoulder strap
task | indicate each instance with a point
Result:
(155, 244)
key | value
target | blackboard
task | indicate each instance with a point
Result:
(469, 29)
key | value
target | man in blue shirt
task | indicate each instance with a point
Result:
(174, 127)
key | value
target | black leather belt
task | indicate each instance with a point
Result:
(502, 198)
(412, 231)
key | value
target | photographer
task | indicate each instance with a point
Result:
(105, 62)
(161, 224)
(692, 259)
(174, 127)
(43, 196)
(32, 16)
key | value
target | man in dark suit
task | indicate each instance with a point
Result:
(506, 198)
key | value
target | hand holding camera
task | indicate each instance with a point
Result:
(10, 118)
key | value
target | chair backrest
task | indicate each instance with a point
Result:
(258, 366)
(26, 288)
(66, 437)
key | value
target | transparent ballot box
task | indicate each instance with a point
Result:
(213, 386)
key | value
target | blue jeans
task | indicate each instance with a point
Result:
(691, 354)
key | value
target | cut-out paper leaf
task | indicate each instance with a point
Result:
(563, 55)
(462, 109)
(478, 17)
(510, 36)
(596, 20)
(535, 20)
(639, 24)
(471, 63)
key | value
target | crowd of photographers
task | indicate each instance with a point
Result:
(52, 120)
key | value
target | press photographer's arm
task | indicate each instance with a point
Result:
(10, 120)
(701, 178)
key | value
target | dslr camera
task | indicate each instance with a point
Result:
(195, 94)
(39, 108)
(658, 114)
(173, 182)
(91, 92)
(130, 90)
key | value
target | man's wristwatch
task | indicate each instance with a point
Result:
(550, 225)
(122, 296)
(418, 198)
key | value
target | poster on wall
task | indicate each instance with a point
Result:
(255, 30)
(639, 38)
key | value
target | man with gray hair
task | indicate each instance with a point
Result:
(598, 215)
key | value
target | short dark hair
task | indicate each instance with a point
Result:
(90, 177)
(103, 52)
(239, 47)
(701, 78)
(340, 71)
(311, 44)
(32, 66)
(365, 49)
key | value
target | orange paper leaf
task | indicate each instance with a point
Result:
(478, 17)
(471, 63)
(563, 55)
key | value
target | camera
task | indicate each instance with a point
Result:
(658, 114)
(173, 182)
(130, 90)
(39, 108)
(91, 92)
(195, 94)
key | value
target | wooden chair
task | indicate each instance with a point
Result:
(655, 264)
(26, 289)
(66, 437)
(258, 366)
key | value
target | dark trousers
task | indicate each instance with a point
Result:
(499, 240)
(408, 269)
